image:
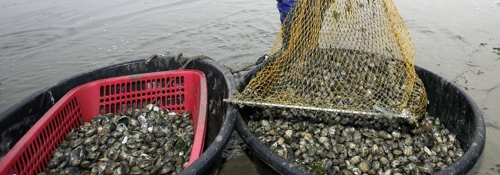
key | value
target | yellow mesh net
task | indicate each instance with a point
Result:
(344, 56)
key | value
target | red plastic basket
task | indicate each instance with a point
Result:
(176, 90)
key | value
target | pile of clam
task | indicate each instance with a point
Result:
(357, 144)
(139, 141)
(349, 80)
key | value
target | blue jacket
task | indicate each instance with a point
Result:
(284, 7)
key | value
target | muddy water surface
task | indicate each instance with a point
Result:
(43, 42)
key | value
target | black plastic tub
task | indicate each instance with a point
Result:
(17, 120)
(455, 109)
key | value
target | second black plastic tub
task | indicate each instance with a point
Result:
(455, 109)
(17, 120)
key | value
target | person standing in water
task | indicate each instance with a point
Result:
(284, 7)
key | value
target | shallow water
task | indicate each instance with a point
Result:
(43, 42)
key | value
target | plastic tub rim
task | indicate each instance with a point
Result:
(462, 166)
(224, 134)
(215, 148)
(476, 149)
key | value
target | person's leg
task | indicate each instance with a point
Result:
(284, 6)
(286, 14)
